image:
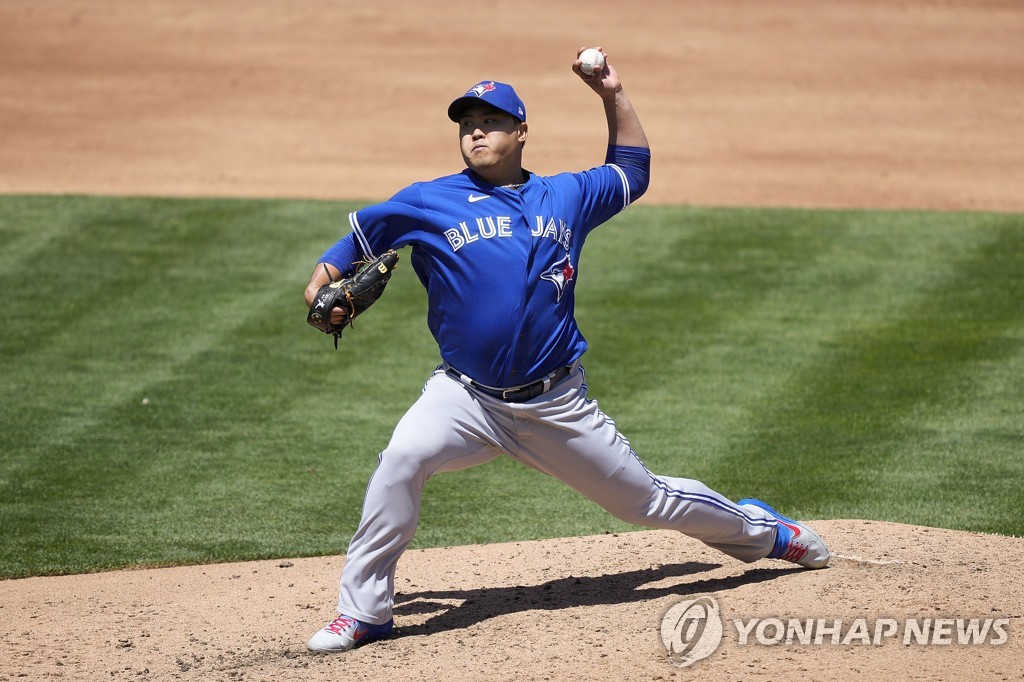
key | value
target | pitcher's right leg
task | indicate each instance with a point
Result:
(444, 430)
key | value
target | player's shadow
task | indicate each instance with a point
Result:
(463, 608)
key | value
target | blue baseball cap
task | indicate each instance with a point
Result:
(498, 95)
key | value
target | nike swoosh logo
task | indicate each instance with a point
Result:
(360, 632)
(793, 527)
(473, 198)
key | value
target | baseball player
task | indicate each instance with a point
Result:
(498, 250)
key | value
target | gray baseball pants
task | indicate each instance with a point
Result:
(560, 433)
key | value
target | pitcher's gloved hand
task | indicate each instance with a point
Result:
(352, 294)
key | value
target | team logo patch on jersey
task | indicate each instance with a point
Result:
(560, 274)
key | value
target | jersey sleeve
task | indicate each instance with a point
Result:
(343, 254)
(377, 228)
(608, 189)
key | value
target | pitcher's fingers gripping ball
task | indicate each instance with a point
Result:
(353, 294)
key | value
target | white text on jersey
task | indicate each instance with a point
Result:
(491, 226)
(501, 226)
(561, 233)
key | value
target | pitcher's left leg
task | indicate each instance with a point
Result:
(572, 440)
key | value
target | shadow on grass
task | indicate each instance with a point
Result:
(477, 605)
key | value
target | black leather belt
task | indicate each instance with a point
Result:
(518, 394)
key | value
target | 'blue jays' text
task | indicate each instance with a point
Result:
(501, 226)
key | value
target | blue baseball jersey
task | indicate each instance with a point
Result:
(499, 264)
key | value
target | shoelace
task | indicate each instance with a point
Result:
(795, 551)
(339, 624)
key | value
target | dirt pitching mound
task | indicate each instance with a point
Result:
(586, 608)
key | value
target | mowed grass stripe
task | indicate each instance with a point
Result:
(669, 319)
(143, 296)
(171, 295)
(852, 421)
(875, 268)
(955, 458)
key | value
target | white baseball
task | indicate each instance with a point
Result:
(591, 61)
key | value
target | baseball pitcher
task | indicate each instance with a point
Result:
(498, 250)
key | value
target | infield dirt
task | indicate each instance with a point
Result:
(880, 104)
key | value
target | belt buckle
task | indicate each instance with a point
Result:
(507, 394)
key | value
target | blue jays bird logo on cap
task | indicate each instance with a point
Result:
(560, 274)
(480, 88)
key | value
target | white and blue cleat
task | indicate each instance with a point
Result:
(793, 540)
(344, 633)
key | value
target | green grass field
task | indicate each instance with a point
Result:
(162, 400)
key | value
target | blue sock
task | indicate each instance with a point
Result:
(782, 537)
